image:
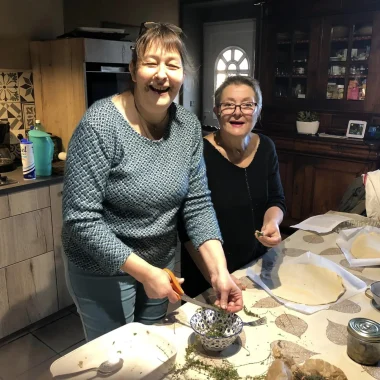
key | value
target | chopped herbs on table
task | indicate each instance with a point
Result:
(250, 313)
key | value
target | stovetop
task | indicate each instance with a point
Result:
(4, 180)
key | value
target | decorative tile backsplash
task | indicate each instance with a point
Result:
(17, 99)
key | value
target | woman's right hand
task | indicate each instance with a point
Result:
(157, 285)
(238, 283)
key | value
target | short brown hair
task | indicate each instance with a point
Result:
(241, 80)
(164, 35)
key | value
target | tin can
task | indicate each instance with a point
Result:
(363, 341)
(27, 158)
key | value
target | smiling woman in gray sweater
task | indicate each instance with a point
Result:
(134, 160)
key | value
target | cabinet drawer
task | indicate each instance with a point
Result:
(4, 307)
(32, 292)
(25, 236)
(4, 206)
(29, 200)
(64, 298)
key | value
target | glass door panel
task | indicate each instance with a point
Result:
(292, 56)
(348, 61)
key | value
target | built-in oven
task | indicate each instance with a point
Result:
(106, 68)
(105, 80)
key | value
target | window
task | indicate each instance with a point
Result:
(231, 61)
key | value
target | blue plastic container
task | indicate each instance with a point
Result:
(43, 148)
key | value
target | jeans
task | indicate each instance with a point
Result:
(105, 303)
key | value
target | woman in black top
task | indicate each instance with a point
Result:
(243, 177)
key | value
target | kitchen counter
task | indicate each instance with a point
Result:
(321, 335)
(23, 184)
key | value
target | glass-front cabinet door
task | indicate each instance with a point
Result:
(291, 63)
(349, 50)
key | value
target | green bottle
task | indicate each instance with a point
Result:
(38, 126)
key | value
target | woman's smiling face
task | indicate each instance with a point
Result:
(238, 123)
(158, 78)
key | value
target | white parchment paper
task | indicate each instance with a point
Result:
(345, 241)
(321, 223)
(352, 284)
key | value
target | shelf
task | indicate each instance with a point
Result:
(353, 76)
(301, 42)
(337, 62)
(362, 38)
(359, 61)
(299, 61)
(282, 76)
(336, 76)
(299, 76)
(108, 72)
(343, 39)
(284, 42)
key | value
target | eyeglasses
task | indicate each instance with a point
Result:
(247, 108)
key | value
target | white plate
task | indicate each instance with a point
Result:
(146, 353)
(345, 240)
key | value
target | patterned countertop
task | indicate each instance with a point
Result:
(322, 335)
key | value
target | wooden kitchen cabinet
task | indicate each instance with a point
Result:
(316, 172)
(64, 298)
(32, 281)
(319, 184)
(323, 63)
(63, 74)
(25, 236)
(4, 206)
(32, 292)
(4, 306)
(21, 202)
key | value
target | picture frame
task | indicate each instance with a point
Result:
(356, 129)
(372, 132)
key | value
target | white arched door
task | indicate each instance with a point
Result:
(228, 50)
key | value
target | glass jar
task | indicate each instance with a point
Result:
(340, 88)
(363, 341)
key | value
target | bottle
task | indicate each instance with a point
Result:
(27, 158)
(38, 126)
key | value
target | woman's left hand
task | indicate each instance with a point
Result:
(229, 295)
(272, 235)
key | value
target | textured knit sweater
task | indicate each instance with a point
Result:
(122, 192)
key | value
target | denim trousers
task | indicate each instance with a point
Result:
(105, 303)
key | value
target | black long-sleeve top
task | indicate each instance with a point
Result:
(241, 196)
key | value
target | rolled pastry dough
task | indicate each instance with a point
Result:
(366, 246)
(306, 284)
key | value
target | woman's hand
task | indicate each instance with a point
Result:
(238, 283)
(228, 293)
(157, 285)
(271, 234)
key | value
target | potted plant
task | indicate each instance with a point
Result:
(307, 122)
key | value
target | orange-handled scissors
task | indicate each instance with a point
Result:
(181, 294)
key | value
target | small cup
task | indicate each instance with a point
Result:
(373, 292)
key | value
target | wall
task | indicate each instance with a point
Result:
(193, 15)
(130, 12)
(23, 21)
(191, 91)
